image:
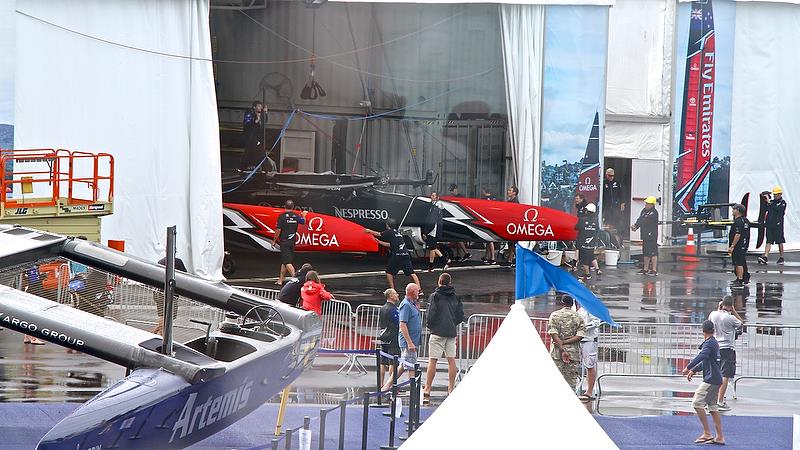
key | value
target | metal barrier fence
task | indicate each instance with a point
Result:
(762, 351)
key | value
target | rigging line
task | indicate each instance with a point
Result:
(378, 75)
(358, 60)
(355, 50)
(227, 61)
(266, 155)
(375, 116)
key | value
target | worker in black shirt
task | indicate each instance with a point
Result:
(253, 125)
(738, 242)
(774, 225)
(399, 258)
(286, 232)
(433, 232)
(648, 222)
(613, 205)
(389, 324)
(587, 240)
(290, 292)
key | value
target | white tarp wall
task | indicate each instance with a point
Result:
(523, 55)
(766, 108)
(93, 76)
(514, 397)
(639, 79)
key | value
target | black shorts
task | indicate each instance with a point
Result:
(397, 263)
(739, 257)
(390, 349)
(727, 362)
(287, 252)
(650, 247)
(586, 256)
(430, 242)
(775, 235)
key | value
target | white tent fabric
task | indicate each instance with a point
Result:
(113, 89)
(522, 29)
(512, 2)
(766, 105)
(641, 140)
(640, 57)
(513, 398)
(638, 93)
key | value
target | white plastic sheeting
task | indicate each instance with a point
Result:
(155, 113)
(638, 93)
(523, 56)
(637, 140)
(513, 398)
(513, 2)
(640, 57)
(766, 108)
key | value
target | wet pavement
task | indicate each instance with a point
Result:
(681, 293)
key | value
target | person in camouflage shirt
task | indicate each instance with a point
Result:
(566, 329)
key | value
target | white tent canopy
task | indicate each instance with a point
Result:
(513, 398)
(97, 76)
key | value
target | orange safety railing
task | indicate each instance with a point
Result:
(78, 177)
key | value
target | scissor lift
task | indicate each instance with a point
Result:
(59, 191)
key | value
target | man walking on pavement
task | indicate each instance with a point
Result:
(774, 226)
(566, 330)
(285, 232)
(445, 314)
(726, 323)
(410, 335)
(738, 242)
(648, 223)
(706, 394)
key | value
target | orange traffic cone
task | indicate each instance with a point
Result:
(690, 248)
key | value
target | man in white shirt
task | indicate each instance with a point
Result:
(589, 351)
(726, 322)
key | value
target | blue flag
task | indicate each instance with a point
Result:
(536, 276)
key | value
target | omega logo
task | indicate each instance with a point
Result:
(315, 224)
(531, 215)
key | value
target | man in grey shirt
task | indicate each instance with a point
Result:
(726, 322)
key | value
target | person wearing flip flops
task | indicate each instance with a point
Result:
(706, 394)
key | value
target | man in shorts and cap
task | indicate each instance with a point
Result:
(706, 394)
(648, 223)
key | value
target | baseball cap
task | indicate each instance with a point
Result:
(777, 190)
(591, 207)
(651, 200)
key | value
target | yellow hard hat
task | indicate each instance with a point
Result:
(651, 200)
(777, 190)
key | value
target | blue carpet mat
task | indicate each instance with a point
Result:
(24, 423)
(679, 432)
